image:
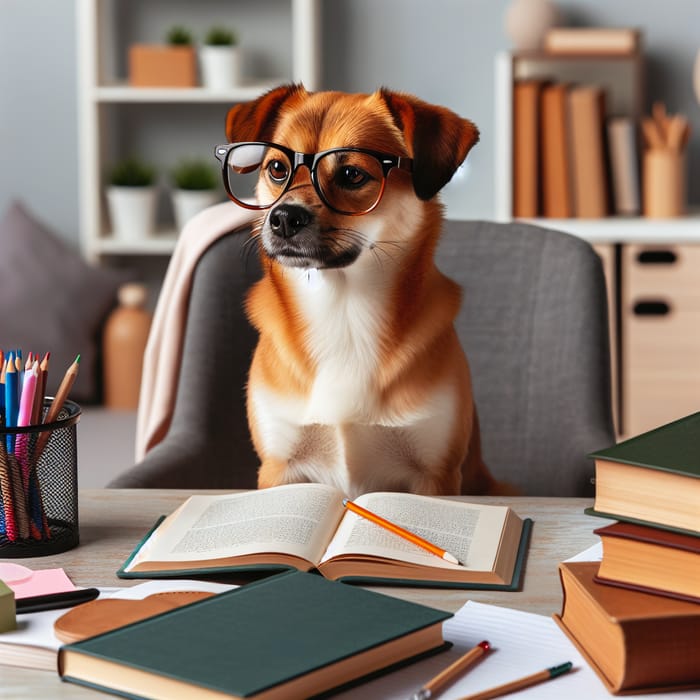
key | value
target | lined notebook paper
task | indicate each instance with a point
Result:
(523, 643)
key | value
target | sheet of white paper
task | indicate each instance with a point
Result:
(523, 643)
(593, 553)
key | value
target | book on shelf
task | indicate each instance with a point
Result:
(554, 141)
(293, 635)
(634, 641)
(526, 149)
(597, 41)
(653, 478)
(589, 171)
(624, 165)
(651, 560)
(306, 526)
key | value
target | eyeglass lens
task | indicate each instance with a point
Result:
(349, 181)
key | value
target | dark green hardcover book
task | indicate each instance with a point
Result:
(653, 478)
(293, 635)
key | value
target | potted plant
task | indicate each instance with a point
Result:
(220, 59)
(131, 199)
(195, 187)
(172, 64)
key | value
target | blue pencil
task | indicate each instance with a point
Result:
(11, 400)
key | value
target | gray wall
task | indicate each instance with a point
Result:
(441, 50)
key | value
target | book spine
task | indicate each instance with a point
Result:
(526, 148)
(554, 140)
(603, 41)
(589, 170)
(624, 165)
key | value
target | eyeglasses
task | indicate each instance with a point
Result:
(349, 180)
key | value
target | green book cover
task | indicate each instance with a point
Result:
(256, 637)
(674, 447)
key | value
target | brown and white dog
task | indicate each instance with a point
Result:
(358, 379)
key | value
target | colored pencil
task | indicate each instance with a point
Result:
(11, 400)
(41, 390)
(448, 675)
(397, 530)
(521, 683)
(56, 405)
(24, 418)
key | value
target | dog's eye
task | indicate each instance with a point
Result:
(351, 177)
(277, 171)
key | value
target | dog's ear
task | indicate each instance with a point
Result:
(438, 140)
(256, 120)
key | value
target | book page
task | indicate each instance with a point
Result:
(297, 519)
(470, 532)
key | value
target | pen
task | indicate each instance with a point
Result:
(432, 687)
(54, 601)
(373, 517)
(521, 683)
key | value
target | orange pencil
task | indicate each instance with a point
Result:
(448, 675)
(521, 683)
(373, 517)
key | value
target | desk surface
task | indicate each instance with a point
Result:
(112, 522)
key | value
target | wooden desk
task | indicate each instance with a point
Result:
(112, 522)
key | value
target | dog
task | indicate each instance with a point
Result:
(358, 379)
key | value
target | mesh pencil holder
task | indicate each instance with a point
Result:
(39, 486)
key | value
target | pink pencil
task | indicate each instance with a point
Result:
(24, 418)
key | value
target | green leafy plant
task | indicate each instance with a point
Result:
(195, 174)
(179, 36)
(220, 36)
(132, 172)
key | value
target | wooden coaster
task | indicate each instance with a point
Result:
(98, 616)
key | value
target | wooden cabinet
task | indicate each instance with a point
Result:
(660, 334)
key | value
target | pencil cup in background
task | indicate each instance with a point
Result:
(39, 485)
(664, 183)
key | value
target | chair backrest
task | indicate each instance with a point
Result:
(534, 326)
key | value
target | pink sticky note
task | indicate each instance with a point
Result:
(25, 582)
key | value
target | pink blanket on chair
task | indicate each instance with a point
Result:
(162, 358)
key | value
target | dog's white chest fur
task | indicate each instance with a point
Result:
(343, 318)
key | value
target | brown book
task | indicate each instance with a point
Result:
(651, 560)
(588, 166)
(554, 141)
(526, 166)
(611, 41)
(634, 641)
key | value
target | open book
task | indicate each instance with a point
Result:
(305, 527)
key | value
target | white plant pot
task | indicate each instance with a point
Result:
(132, 212)
(187, 203)
(220, 66)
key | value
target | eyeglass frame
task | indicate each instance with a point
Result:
(310, 160)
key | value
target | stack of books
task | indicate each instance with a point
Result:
(635, 615)
(571, 158)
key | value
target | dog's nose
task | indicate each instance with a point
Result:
(287, 220)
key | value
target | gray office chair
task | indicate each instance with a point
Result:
(533, 324)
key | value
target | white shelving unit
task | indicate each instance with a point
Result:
(166, 123)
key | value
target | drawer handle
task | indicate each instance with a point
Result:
(657, 257)
(652, 308)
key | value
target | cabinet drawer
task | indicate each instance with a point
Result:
(653, 400)
(661, 360)
(665, 342)
(666, 273)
